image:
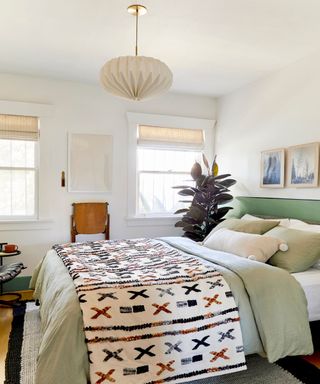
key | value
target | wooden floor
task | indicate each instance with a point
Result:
(5, 328)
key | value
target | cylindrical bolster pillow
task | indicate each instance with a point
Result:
(251, 246)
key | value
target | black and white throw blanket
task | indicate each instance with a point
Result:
(153, 314)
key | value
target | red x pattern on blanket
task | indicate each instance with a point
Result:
(153, 314)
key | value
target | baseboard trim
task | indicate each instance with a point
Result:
(20, 283)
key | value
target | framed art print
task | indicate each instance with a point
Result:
(272, 168)
(89, 162)
(303, 165)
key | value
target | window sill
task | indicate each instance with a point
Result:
(25, 225)
(155, 221)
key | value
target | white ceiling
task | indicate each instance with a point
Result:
(211, 46)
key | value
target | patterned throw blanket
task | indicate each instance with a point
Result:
(153, 314)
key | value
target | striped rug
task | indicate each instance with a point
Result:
(23, 345)
(25, 337)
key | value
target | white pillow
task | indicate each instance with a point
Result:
(251, 246)
(302, 226)
(283, 222)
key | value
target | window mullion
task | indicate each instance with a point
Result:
(17, 168)
(164, 172)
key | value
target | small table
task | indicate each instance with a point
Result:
(8, 254)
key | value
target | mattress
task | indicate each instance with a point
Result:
(310, 282)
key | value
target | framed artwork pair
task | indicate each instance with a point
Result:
(300, 165)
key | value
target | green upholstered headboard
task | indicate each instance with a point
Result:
(307, 210)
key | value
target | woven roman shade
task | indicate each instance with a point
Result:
(173, 137)
(19, 127)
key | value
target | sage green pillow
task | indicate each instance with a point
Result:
(303, 252)
(258, 227)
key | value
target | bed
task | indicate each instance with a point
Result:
(260, 291)
(310, 283)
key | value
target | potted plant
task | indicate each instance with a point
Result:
(210, 193)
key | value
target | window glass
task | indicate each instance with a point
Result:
(17, 178)
(158, 171)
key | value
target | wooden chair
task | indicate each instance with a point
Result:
(90, 218)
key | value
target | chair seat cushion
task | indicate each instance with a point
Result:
(8, 272)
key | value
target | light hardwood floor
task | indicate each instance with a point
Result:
(5, 328)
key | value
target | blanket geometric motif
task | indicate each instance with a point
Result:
(153, 314)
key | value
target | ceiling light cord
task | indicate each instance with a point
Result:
(137, 28)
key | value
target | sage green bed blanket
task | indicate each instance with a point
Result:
(272, 307)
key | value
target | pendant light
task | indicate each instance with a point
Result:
(136, 77)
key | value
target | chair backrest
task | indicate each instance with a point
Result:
(90, 218)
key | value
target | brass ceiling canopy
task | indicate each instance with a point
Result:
(137, 10)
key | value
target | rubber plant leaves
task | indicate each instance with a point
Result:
(208, 199)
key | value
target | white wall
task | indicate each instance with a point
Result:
(280, 110)
(86, 108)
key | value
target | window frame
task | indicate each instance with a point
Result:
(35, 216)
(44, 112)
(135, 119)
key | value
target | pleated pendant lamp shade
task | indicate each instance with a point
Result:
(136, 77)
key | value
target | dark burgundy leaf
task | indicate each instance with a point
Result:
(181, 187)
(227, 183)
(186, 192)
(182, 210)
(223, 197)
(200, 180)
(222, 176)
(196, 171)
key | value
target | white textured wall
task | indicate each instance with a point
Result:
(280, 110)
(85, 108)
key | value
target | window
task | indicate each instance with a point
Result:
(158, 171)
(18, 166)
(161, 152)
(164, 159)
